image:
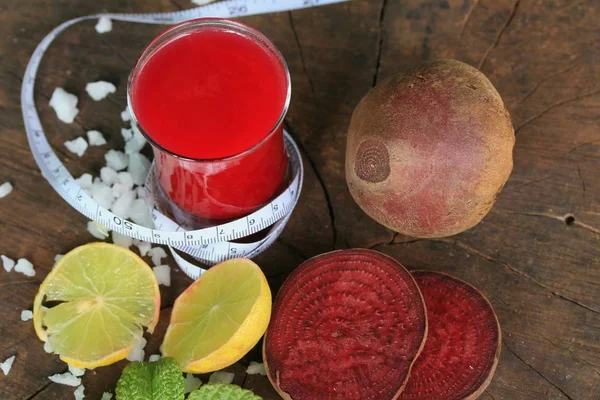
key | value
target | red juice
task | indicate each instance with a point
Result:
(210, 95)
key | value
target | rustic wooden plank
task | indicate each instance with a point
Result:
(536, 255)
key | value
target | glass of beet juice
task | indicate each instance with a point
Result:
(210, 95)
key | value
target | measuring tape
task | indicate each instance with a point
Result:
(209, 245)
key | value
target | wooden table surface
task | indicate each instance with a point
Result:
(536, 256)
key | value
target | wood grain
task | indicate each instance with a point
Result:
(536, 255)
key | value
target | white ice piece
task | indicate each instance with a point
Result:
(78, 393)
(140, 214)
(256, 369)
(141, 192)
(7, 365)
(125, 115)
(25, 267)
(26, 315)
(191, 383)
(100, 89)
(127, 134)
(104, 25)
(154, 357)
(7, 263)
(108, 175)
(202, 2)
(137, 353)
(139, 166)
(103, 194)
(163, 275)
(64, 104)
(121, 240)
(85, 181)
(5, 189)
(116, 159)
(107, 396)
(143, 247)
(77, 146)
(76, 371)
(96, 138)
(126, 179)
(122, 204)
(58, 257)
(66, 378)
(157, 254)
(97, 230)
(221, 377)
(48, 348)
(136, 143)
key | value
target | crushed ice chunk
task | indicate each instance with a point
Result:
(7, 263)
(141, 192)
(103, 194)
(191, 383)
(25, 267)
(125, 115)
(202, 2)
(221, 377)
(100, 89)
(5, 189)
(139, 166)
(157, 254)
(121, 240)
(163, 275)
(127, 134)
(58, 257)
(85, 181)
(140, 214)
(26, 315)
(108, 175)
(104, 25)
(122, 204)
(136, 143)
(7, 365)
(66, 378)
(126, 179)
(117, 160)
(64, 104)
(256, 369)
(154, 357)
(137, 352)
(95, 138)
(77, 146)
(143, 247)
(76, 371)
(106, 396)
(78, 393)
(48, 347)
(97, 230)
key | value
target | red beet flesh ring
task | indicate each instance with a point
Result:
(345, 325)
(463, 341)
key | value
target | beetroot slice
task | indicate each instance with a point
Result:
(463, 341)
(345, 325)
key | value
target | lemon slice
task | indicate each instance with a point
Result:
(93, 305)
(219, 318)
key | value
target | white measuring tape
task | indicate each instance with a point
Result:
(209, 245)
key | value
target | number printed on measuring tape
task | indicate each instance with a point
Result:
(209, 245)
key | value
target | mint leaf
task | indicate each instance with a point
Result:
(221, 391)
(160, 380)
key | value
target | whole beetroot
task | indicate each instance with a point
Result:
(429, 150)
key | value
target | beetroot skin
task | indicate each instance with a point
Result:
(463, 341)
(429, 150)
(346, 325)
